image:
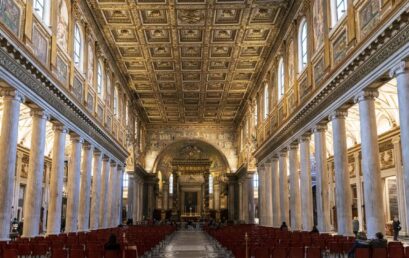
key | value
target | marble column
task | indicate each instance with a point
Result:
(165, 196)
(96, 190)
(268, 195)
(130, 199)
(230, 202)
(46, 197)
(135, 216)
(284, 216)
(111, 195)
(141, 200)
(275, 179)
(251, 208)
(357, 169)
(262, 195)
(73, 184)
(175, 193)
(322, 189)
(32, 200)
(206, 193)
(85, 187)
(56, 180)
(343, 195)
(103, 204)
(8, 144)
(119, 197)
(17, 182)
(244, 200)
(400, 185)
(216, 198)
(306, 185)
(401, 71)
(373, 191)
(295, 197)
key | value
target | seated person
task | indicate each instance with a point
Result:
(314, 229)
(284, 227)
(362, 242)
(112, 244)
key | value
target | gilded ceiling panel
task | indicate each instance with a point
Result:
(190, 61)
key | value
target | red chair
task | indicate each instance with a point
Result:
(24, 249)
(280, 252)
(313, 252)
(58, 253)
(296, 252)
(379, 253)
(362, 253)
(261, 252)
(396, 251)
(112, 254)
(10, 253)
(131, 252)
(406, 251)
(77, 253)
(39, 249)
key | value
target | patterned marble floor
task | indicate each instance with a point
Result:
(191, 244)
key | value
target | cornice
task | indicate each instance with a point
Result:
(386, 44)
(37, 82)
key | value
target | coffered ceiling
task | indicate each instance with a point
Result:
(190, 61)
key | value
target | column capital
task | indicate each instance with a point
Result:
(275, 157)
(37, 112)
(113, 163)
(11, 93)
(76, 138)
(283, 152)
(87, 146)
(105, 158)
(320, 128)
(57, 127)
(400, 68)
(97, 153)
(305, 137)
(294, 146)
(367, 94)
(338, 114)
(396, 139)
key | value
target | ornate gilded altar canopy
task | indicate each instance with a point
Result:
(191, 166)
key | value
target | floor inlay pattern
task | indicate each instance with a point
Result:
(191, 244)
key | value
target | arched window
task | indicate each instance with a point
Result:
(42, 10)
(171, 184)
(255, 184)
(210, 184)
(100, 81)
(266, 101)
(280, 79)
(108, 91)
(116, 99)
(78, 45)
(125, 180)
(126, 113)
(338, 9)
(303, 45)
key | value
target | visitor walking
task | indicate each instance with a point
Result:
(396, 228)
(355, 226)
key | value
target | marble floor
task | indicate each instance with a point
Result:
(190, 244)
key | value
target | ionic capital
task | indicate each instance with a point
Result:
(283, 153)
(87, 146)
(368, 94)
(305, 138)
(105, 158)
(320, 128)
(401, 68)
(274, 158)
(338, 114)
(113, 163)
(97, 153)
(60, 128)
(76, 138)
(39, 113)
(293, 146)
(11, 94)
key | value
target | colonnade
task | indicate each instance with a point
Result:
(88, 207)
(296, 199)
(135, 198)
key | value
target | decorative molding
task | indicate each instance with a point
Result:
(15, 63)
(390, 41)
(369, 94)
(338, 114)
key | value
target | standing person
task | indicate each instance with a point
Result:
(284, 227)
(396, 228)
(355, 226)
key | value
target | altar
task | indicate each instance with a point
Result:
(190, 189)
